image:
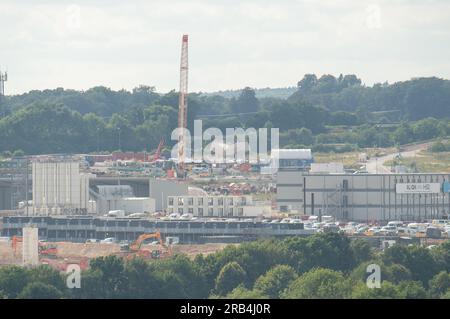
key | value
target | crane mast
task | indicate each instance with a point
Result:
(182, 106)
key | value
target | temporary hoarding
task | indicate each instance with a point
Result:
(418, 188)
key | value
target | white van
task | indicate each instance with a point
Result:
(109, 240)
(395, 223)
(137, 215)
(116, 213)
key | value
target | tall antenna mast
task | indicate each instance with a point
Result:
(182, 106)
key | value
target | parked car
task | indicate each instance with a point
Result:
(331, 228)
(439, 222)
(388, 230)
(361, 230)
(395, 223)
(109, 240)
(405, 231)
(434, 232)
(373, 231)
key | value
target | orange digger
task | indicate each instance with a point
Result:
(135, 249)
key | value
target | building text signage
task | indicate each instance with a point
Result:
(418, 188)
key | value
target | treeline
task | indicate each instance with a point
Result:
(49, 128)
(320, 266)
(99, 100)
(326, 113)
(440, 146)
(45, 127)
(408, 100)
(377, 135)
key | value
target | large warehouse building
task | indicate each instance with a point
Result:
(364, 197)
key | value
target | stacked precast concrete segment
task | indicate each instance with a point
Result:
(30, 246)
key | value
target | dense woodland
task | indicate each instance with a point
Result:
(320, 266)
(326, 113)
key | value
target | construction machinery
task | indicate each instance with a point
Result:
(62, 265)
(45, 249)
(157, 155)
(135, 249)
(15, 240)
(49, 250)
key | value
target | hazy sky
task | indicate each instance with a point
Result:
(232, 44)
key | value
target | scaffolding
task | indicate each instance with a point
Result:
(15, 174)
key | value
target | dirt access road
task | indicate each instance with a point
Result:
(376, 165)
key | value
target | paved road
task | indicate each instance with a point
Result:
(376, 165)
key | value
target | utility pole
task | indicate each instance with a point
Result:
(27, 162)
(120, 147)
(98, 140)
(182, 106)
(120, 150)
(3, 79)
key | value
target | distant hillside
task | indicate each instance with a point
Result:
(280, 93)
(410, 100)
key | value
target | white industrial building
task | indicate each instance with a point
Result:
(215, 206)
(365, 197)
(161, 189)
(288, 158)
(59, 188)
(121, 197)
(139, 205)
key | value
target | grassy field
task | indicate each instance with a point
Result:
(426, 162)
(350, 159)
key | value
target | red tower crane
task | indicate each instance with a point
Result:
(182, 106)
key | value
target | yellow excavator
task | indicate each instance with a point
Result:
(135, 248)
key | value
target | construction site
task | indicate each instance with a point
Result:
(61, 209)
(29, 250)
(59, 188)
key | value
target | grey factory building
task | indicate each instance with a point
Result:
(364, 197)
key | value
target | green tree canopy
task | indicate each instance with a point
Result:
(40, 290)
(230, 276)
(319, 283)
(273, 282)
